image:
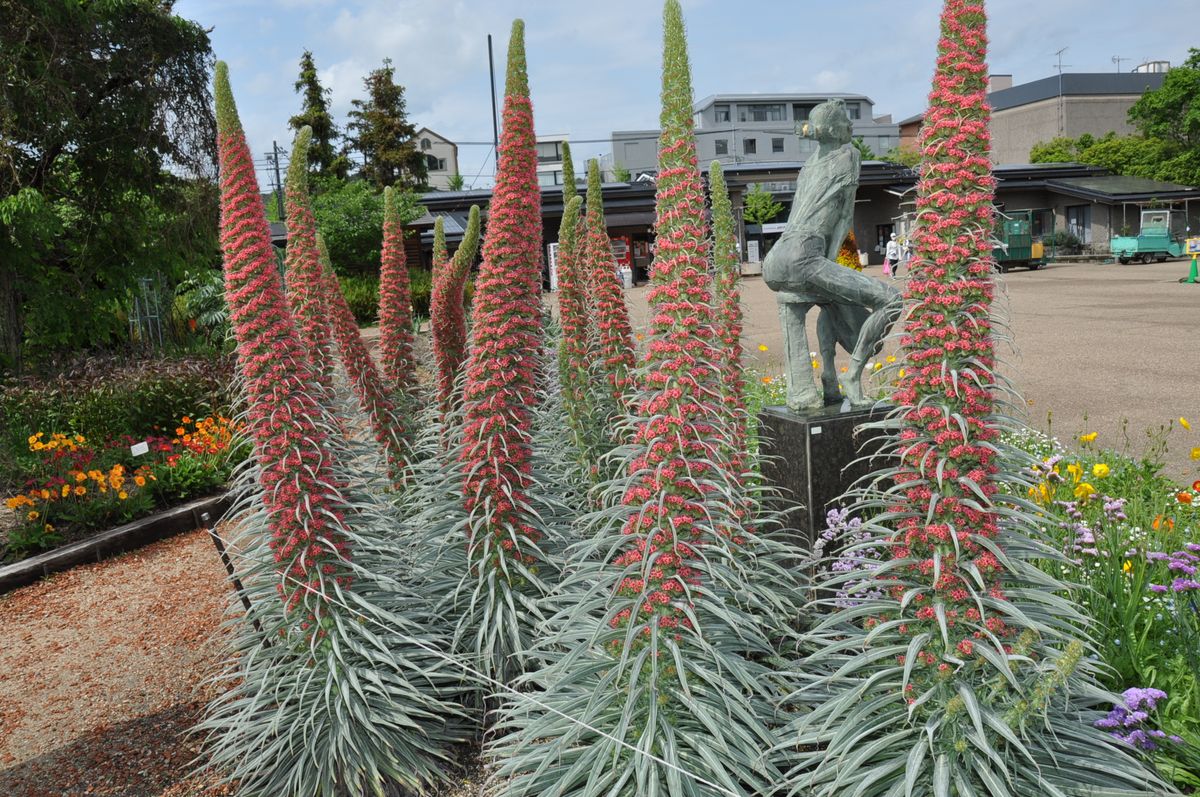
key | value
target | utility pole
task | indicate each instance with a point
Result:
(1116, 59)
(273, 156)
(1062, 122)
(495, 123)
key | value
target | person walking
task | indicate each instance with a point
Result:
(891, 257)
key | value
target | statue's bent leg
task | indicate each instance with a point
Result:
(827, 340)
(848, 287)
(802, 393)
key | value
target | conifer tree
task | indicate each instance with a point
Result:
(379, 129)
(955, 667)
(323, 156)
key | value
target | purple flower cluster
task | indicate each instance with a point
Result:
(1185, 562)
(1083, 536)
(855, 554)
(1127, 719)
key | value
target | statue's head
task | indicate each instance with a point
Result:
(828, 123)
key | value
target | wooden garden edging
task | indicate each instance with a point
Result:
(114, 541)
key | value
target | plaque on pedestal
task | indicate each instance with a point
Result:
(812, 458)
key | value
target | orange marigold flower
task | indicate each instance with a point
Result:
(122, 495)
(185, 419)
(80, 490)
(1183, 497)
(180, 431)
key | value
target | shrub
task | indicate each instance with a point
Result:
(362, 294)
(108, 399)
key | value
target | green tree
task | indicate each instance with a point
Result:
(106, 165)
(759, 207)
(1056, 150)
(904, 156)
(380, 130)
(621, 174)
(323, 157)
(456, 182)
(350, 217)
(867, 153)
(1172, 111)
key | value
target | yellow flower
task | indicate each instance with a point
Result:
(1088, 438)
(32, 439)
(80, 490)
(1184, 423)
(66, 490)
(901, 374)
(1100, 470)
(891, 358)
(1196, 452)
(1076, 472)
(762, 347)
(1084, 490)
(45, 494)
(122, 495)
(80, 438)
(878, 366)
(80, 476)
(816, 363)
(33, 515)
(1128, 566)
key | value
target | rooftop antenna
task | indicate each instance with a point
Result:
(1116, 59)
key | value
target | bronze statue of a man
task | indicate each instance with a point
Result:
(802, 268)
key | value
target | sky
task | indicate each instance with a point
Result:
(594, 64)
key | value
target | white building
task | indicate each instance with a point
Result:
(441, 158)
(754, 128)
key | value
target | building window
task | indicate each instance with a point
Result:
(441, 164)
(777, 145)
(885, 144)
(722, 146)
(1079, 222)
(550, 178)
(721, 113)
(549, 151)
(749, 146)
(425, 144)
(763, 112)
(853, 110)
(800, 112)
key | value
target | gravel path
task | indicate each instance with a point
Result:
(102, 672)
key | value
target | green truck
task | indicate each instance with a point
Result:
(1154, 241)
(1015, 244)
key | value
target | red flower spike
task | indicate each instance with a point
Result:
(614, 335)
(448, 319)
(298, 486)
(368, 386)
(395, 303)
(500, 388)
(304, 293)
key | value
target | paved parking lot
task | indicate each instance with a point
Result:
(1096, 347)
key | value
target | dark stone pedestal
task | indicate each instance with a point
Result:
(811, 459)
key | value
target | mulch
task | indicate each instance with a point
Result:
(103, 671)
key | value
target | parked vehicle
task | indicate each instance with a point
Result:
(1015, 244)
(1155, 240)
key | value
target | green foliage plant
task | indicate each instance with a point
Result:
(337, 684)
(656, 679)
(957, 666)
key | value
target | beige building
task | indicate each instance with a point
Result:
(1066, 105)
(441, 158)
